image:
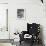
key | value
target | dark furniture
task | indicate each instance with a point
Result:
(33, 30)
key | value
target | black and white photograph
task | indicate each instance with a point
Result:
(22, 22)
(20, 13)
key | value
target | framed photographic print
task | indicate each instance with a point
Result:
(20, 13)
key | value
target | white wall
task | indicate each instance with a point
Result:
(3, 1)
(34, 11)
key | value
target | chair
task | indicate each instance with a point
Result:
(33, 30)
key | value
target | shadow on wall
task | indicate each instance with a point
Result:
(41, 34)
